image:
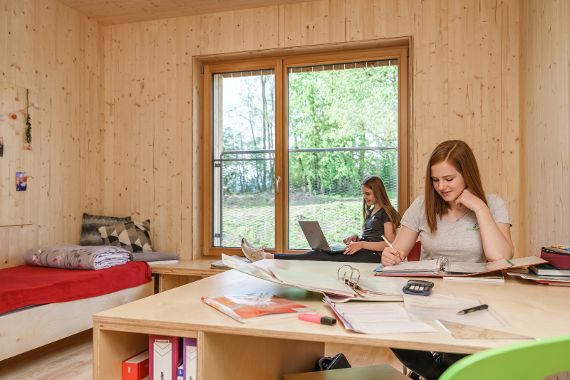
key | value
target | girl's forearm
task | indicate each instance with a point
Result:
(497, 244)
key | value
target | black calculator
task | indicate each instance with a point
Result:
(418, 287)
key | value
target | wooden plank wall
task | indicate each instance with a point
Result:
(465, 67)
(545, 122)
(54, 52)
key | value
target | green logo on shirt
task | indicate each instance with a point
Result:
(474, 228)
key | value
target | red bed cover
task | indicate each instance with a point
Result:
(28, 285)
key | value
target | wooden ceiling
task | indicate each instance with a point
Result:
(109, 12)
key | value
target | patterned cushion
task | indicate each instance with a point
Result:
(90, 227)
(133, 236)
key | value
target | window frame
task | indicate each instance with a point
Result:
(280, 64)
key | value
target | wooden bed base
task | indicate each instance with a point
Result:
(27, 329)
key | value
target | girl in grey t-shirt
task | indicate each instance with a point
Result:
(454, 219)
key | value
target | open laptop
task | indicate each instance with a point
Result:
(316, 239)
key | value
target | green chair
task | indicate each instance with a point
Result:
(535, 359)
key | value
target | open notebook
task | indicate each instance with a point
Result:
(442, 267)
(340, 282)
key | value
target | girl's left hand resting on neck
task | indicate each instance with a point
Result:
(472, 202)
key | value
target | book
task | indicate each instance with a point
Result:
(135, 367)
(443, 268)
(549, 270)
(164, 357)
(558, 248)
(252, 306)
(558, 259)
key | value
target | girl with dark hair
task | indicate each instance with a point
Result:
(454, 219)
(380, 218)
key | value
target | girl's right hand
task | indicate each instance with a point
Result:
(391, 256)
(350, 239)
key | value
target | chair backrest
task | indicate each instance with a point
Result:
(548, 356)
(415, 253)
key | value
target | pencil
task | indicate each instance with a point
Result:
(391, 246)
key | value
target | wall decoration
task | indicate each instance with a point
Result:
(21, 181)
(17, 161)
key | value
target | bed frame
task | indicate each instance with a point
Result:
(26, 329)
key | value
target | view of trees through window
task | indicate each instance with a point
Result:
(342, 123)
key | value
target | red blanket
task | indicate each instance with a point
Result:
(30, 285)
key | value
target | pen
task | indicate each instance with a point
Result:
(315, 318)
(474, 308)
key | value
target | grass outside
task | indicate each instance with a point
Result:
(252, 217)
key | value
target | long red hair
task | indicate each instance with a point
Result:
(458, 154)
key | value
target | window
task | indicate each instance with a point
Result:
(290, 138)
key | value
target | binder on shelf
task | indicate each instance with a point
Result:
(190, 358)
(135, 367)
(164, 357)
(442, 267)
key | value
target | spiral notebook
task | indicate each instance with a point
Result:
(443, 267)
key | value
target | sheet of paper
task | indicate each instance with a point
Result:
(378, 318)
(445, 307)
(383, 285)
(461, 331)
(412, 266)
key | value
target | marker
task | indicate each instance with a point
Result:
(472, 309)
(315, 318)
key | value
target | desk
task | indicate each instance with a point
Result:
(183, 272)
(268, 349)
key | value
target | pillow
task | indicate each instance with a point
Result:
(133, 236)
(154, 256)
(90, 227)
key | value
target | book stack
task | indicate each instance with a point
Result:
(557, 256)
(556, 271)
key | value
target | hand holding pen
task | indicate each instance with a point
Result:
(391, 255)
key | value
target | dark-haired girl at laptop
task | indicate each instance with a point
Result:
(380, 218)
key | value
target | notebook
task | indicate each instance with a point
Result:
(316, 238)
(442, 267)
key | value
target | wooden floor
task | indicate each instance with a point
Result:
(70, 358)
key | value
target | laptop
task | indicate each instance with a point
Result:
(316, 239)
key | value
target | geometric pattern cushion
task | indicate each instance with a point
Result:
(90, 227)
(133, 236)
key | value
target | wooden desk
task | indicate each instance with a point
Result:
(183, 272)
(271, 348)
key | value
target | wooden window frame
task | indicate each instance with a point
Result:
(280, 64)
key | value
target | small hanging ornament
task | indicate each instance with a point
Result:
(13, 116)
(28, 132)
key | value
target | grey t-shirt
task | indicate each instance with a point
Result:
(458, 241)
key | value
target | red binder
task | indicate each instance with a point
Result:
(136, 367)
(164, 357)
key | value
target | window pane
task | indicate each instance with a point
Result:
(343, 126)
(243, 158)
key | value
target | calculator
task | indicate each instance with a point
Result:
(418, 287)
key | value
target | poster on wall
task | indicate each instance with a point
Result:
(21, 181)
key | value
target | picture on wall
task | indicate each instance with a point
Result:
(21, 181)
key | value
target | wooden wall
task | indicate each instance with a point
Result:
(465, 67)
(54, 52)
(116, 131)
(545, 122)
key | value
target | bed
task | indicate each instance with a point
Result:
(39, 305)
